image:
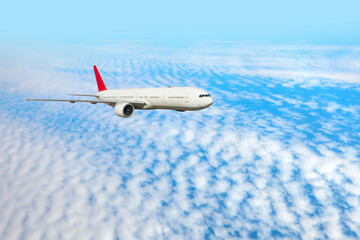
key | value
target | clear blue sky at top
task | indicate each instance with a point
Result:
(322, 22)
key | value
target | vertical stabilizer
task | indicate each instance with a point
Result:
(99, 81)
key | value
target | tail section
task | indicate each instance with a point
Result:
(99, 81)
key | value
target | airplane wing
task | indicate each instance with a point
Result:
(71, 101)
(111, 103)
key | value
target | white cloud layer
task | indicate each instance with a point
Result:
(277, 155)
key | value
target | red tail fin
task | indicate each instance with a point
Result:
(100, 83)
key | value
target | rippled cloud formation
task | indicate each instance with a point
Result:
(276, 155)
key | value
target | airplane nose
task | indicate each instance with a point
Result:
(210, 101)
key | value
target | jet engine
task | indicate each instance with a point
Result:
(124, 110)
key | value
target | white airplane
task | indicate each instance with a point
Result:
(125, 101)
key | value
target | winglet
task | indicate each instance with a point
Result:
(99, 81)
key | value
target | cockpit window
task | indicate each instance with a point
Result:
(204, 95)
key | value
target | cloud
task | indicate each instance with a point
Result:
(269, 159)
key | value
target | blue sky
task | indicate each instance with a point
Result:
(318, 22)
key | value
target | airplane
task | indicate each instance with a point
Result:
(125, 101)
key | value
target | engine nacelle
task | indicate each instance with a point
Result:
(124, 110)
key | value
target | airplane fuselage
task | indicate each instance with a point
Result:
(174, 98)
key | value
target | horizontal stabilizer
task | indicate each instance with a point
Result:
(85, 95)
